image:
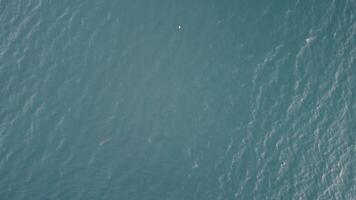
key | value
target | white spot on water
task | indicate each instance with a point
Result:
(149, 140)
(195, 164)
(206, 106)
(309, 40)
(102, 142)
(221, 21)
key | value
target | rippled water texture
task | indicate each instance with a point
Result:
(173, 100)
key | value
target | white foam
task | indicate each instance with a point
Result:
(309, 40)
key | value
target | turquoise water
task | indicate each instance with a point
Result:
(173, 100)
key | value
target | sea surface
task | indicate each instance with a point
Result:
(177, 99)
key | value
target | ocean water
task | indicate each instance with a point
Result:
(177, 100)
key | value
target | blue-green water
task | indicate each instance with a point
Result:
(173, 100)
